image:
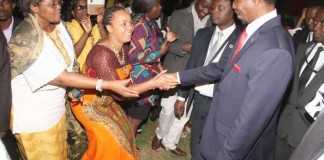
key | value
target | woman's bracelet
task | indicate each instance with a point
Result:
(99, 85)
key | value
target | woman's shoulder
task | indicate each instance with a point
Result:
(99, 50)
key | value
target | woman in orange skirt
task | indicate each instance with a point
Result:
(109, 134)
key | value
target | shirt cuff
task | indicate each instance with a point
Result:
(178, 78)
(181, 99)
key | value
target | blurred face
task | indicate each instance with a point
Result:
(310, 14)
(319, 26)
(201, 7)
(244, 10)
(48, 11)
(121, 26)
(6, 8)
(155, 11)
(80, 10)
(221, 12)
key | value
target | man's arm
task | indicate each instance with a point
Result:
(268, 81)
(201, 75)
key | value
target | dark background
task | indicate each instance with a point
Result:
(294, 7)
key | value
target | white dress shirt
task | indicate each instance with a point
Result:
(257, 23)
(208, 89)
(8, 31)
(314, 107)
(319, 62)
(198, 23)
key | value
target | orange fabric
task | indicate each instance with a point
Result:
(102, 143)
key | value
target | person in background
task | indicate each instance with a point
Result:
(5, 98)
(185, 22)
(212, 45)
(311, 146)
(147, 46)
(83, 33)
(8, 22)
(42, 65)
(303, 33)
(308, 77)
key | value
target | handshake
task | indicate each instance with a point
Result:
(162, 81)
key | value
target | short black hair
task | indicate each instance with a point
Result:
(143, 6)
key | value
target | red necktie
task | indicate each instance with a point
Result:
(239, 46)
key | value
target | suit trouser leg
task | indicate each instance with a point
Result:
(283, 150)
(291, 129)
(201, 105)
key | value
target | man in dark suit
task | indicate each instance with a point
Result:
(312, 145)
(242, 119)
(211, 45)
(8, 22)
(185, 23)
(5, 89)
(309, 76)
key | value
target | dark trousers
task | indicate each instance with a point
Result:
(292, 126)
(201, 105)
(11, 145)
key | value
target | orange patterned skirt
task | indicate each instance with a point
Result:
(109, 134)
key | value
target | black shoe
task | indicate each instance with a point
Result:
(177, 151)
(156, 143)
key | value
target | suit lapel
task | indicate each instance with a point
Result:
(300, 57)
(229, 50)
(205, 44)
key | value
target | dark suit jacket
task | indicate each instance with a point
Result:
(5, 85)
(293, 124)
(199, 53)
(312, 144)
(5, 82)
(242, 119)
(301, 36)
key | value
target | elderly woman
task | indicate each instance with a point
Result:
(42, 59)
(147, 47)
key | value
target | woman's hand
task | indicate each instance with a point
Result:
(170, 36)
(86, 24)
(120, 87)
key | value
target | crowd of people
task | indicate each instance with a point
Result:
(79, 86)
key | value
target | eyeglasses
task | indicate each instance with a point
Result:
(319, 22)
